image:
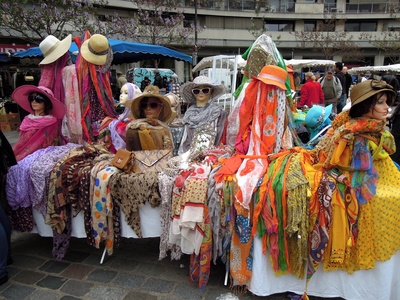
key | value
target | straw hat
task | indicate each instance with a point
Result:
(186, 89)
(174, 100)
(317, 115)
(95, 49)
(368, 88)
(273, 75)
(52, 48)
(20, 95)
(152, 91)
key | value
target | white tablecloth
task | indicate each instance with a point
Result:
(149, 222)
(381, 283)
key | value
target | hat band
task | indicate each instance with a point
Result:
(272, 77)
(95, 52)
(51, 49)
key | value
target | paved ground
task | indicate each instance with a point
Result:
(133, 272)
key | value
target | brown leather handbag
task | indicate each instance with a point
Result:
(124, 160)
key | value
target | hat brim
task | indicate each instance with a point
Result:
(309, 119)
(166, 109)
(61, 49)
(98, 60)
(271, 82)
(20, 95)
(369, 94)
(188, 96)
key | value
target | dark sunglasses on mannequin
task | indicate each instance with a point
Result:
(152, 105)
(37, 98)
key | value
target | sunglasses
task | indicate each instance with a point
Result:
(37, 98)
(152, 105)
(205, 91)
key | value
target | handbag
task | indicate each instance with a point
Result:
(124, 160)
(28, 77)
(152, 160)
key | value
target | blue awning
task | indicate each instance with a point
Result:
(4, 57)
(124, 52)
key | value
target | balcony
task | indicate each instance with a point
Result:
(289, 6)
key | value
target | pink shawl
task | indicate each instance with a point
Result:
(36, 133)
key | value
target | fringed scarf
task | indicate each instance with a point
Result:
(94, 82)
(351, 145)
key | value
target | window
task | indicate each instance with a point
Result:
(360, 26)
(188, 21)
(278, 26)
(310, 25)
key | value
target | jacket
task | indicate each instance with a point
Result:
(311, 93)
(337, 86)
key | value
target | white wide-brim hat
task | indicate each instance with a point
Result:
(52, 48)
(186, 89)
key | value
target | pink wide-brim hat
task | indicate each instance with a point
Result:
(20, 95)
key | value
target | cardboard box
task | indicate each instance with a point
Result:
(5, 126)
(13, 117)
(14, 126)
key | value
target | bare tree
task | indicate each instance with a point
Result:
(328, 41)
(388, 43)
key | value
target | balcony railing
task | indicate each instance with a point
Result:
(281, 6)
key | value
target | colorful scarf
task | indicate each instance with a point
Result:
(95, 93)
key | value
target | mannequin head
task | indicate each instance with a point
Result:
(150, 107)
(151, 104)
(40, 104)
(202, 93)
(129, 91)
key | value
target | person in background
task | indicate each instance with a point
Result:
(39, 129)
(7, 160)
(332, 89)
(121, 80)
(392, 80)
(367, 76)
(297, 81)
(145, 82)
(340, 75)
(349, 82)
(311, 92)
(158, 81)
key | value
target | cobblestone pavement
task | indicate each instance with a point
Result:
(132, 272)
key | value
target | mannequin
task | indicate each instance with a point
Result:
(113, 131)
(40, 128)
(204, 120)
(149, 131)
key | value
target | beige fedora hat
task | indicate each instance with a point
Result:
(95, 49)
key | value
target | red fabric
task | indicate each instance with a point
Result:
(311, 93)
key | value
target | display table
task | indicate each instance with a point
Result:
(383, 282)
(149, 223)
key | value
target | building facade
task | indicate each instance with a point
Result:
(231, 26)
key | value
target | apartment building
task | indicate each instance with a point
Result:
(232, 25)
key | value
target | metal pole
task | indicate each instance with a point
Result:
(195, 34)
